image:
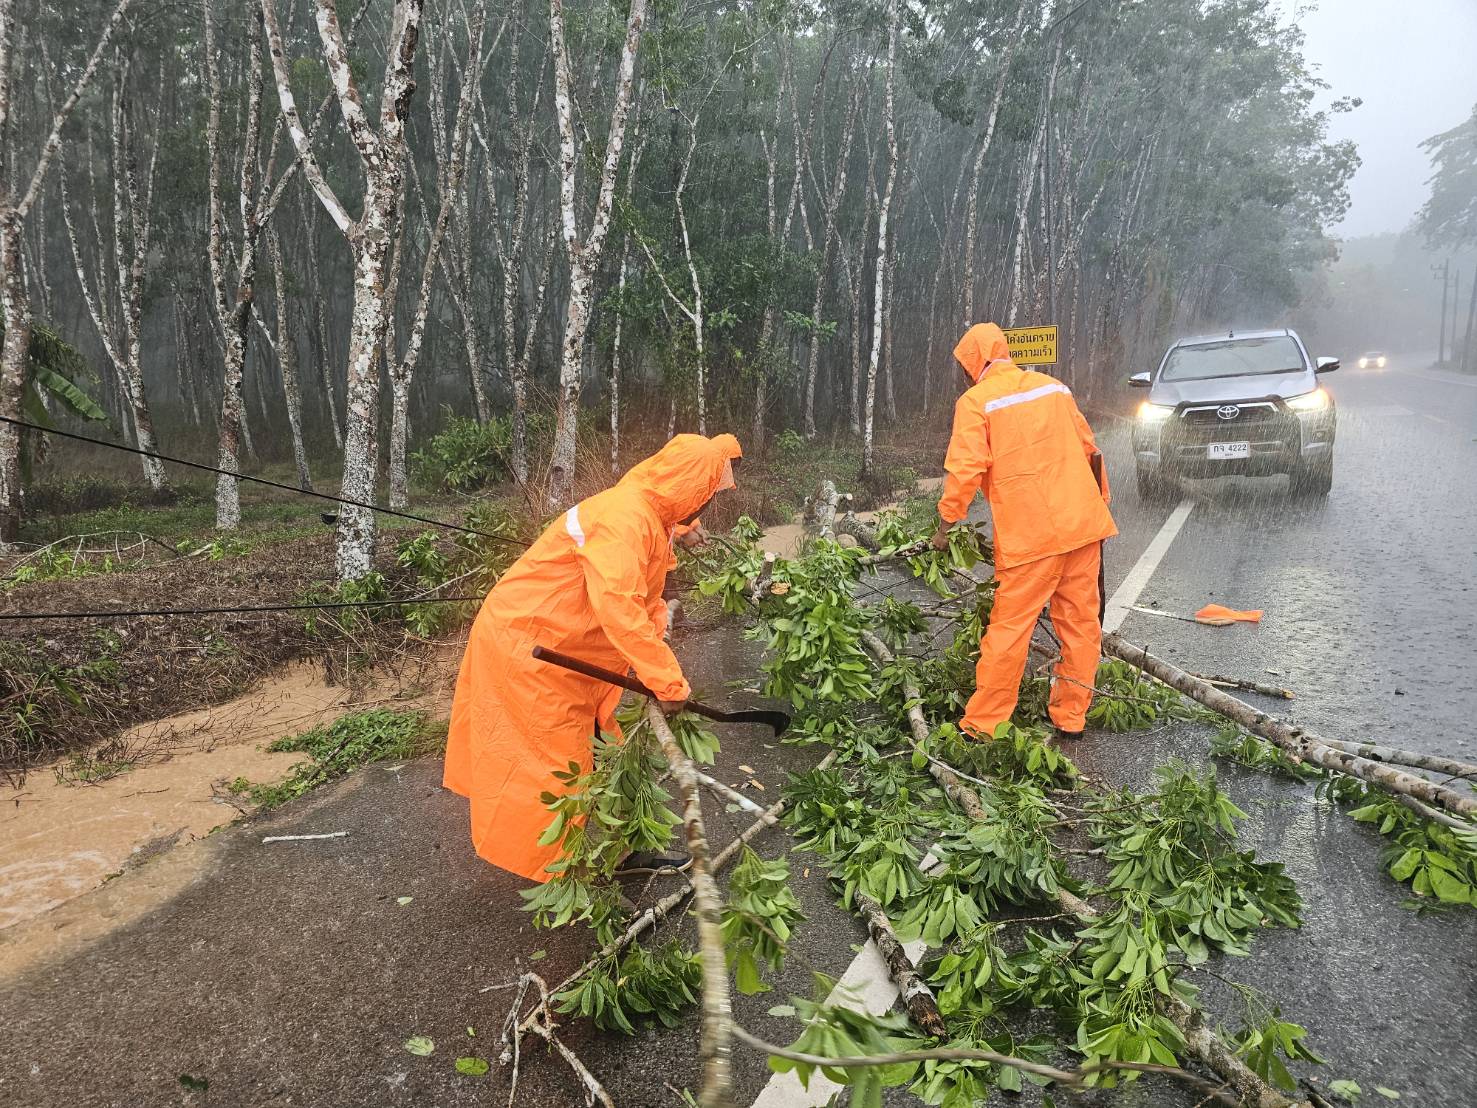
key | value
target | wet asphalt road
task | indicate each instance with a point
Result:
(289, 975)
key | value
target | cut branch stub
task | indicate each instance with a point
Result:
(917, 997)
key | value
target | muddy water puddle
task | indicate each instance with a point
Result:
(60, 837)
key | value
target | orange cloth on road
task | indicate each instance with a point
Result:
(1068, 582)
(1215, 611)
(1018, 434)
(591, 587)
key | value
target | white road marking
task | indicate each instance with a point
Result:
(1127, 594)
(865, 987)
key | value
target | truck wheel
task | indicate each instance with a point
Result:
(1153, 489)
(1315, 480)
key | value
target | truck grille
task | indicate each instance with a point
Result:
(1246, 415)
(1269, 430)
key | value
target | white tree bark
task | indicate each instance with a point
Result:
(382, 154)
(114, 290)
(233, 312)
(583, 253)
(287, 361)
(450, 186)
(879, 293)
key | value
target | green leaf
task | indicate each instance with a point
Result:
(1406, 865)
(420, 1045)
(1388, 1094)
(76, 401)
(403, 900)
(472, 1067)
(782, 1010)
(1345, 1088)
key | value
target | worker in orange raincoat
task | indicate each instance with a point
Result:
(591, 587)
(1019, 436)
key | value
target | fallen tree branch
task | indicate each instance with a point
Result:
(544, 1027)
(1205, 1044)
(1425, 811)
(1414, 758)
(716, 1047)
(1245, 685)
(917, 997)
(656, 913)
(1070, 1078)
(1301, 745)
(948, 779)
(729, 794)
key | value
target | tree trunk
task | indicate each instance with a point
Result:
(584, 254)
(287, 360)
(879, 289)
(13, 363)
(233, 408)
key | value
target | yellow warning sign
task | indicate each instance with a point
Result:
(1032, 345)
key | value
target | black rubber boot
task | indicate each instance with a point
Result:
(671, 858)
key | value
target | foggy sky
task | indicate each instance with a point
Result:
(1414, 64)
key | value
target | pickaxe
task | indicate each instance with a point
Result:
(777, 720)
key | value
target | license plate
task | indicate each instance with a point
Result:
(1223, 450)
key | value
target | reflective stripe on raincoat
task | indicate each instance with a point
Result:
(1019, 436)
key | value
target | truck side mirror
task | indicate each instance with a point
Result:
(1141, 380)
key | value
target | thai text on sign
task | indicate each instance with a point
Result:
(1032, 345)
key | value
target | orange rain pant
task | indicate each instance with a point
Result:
(1068, 582)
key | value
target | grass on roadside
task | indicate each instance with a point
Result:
(351, 741)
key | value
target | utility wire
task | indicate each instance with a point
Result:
(264, 481)
(9, 616)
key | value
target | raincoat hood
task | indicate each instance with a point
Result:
(683, 475)
(982, 344)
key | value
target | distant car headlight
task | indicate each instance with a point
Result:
(1381, 363)
(1154, 413)
(1363, 363)
(1314, 401)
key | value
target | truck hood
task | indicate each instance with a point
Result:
(1223, 390)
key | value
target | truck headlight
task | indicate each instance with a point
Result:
(1154, 413)
(1314, 401)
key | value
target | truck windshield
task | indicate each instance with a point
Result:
(1233, 358)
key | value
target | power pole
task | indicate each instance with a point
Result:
(1456, 307)
(1445, 270)
(1471, 312)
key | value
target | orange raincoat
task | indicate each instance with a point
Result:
(591, 587)
(1019, 436)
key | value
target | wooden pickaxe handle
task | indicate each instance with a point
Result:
(779, 721)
